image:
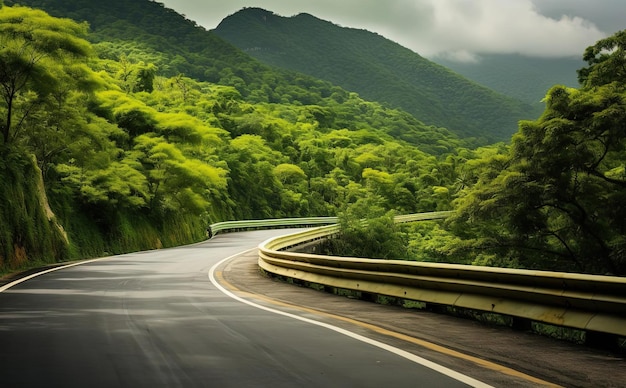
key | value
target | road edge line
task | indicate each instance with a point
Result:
(402, 353)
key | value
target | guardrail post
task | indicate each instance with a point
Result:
(601, 340)
(522, 324)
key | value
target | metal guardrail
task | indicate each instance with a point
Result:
(267, 224)
(587, 302)
(305, 221)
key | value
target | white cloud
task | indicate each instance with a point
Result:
(461, 29)
(465, 28)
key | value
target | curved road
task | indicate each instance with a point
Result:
(159, 319)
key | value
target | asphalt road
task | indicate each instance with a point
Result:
(156, 319)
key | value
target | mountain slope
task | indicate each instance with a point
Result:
(525, 78)
(132, 160)
(377, 69)
(178, 44)
(147, 31)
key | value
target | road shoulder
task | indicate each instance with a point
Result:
(544, 359)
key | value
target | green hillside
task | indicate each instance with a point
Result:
(146, 31)
(377, 69)
(103, 151)
(144, 28)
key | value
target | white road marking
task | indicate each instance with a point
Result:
(402, 353)
(21, 280)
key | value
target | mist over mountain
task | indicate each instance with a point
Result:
(525, 78)
(376, 68)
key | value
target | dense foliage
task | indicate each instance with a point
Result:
(131, 158)
(376, 68)
(556, 199)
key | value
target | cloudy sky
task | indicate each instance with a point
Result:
(461, 29)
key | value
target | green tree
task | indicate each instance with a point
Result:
(39, 55)
(559, 203)
(289, 174)
(252, 182)
(368, 230)
(134, 77)
(606, 60)
(174, 181)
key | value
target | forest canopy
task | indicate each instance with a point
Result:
(556, 198)
(130, 157)
(112, 144)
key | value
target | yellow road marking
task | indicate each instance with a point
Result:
(428, 345)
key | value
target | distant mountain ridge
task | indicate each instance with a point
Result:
(518, 76)
(376, 68)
